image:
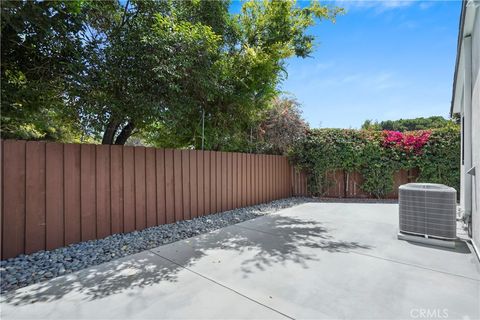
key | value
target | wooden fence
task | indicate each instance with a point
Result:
(57, 194)
(347, 185)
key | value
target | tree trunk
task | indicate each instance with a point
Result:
(125, 133)
(109, 134)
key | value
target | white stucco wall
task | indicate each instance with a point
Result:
(476, 128)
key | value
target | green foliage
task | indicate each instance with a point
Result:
(325, 150)
(112, 69)
(39, 51)
(440, 162)
(280, 127)
(402, 125)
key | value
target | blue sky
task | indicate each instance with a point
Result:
(381, 60)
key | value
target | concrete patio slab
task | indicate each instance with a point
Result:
(141, 286)
(316, 260)
(375, 227)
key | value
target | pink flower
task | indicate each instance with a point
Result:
(412, 141)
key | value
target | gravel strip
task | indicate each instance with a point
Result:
(43, 265)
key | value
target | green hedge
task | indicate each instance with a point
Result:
(377, 155)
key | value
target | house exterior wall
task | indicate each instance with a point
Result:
(466, 101)
(476, 129)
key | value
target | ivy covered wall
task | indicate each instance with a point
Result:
(377, 155)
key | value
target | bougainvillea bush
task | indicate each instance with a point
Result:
(377, 155)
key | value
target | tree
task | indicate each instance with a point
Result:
(153, 68)
(281, 127)
(141, 64)
(40, 49)
(247, 71)
(434, 122)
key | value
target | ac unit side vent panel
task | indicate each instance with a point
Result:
(428, 209)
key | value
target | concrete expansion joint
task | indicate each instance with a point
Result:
(223, 286)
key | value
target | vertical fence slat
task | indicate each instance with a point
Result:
(169, 186)
(235, 179)
(140, 199)
(265, 177)
(1, 198)
(249, 180)
(14, 198)
(186, 184)
(223, 181)
(201, 187)
(206, 183)
(54, 196)
(229, 175)
(116, 188)
(277, 177)
(218, 185)
(103, 190)
(192, 154)
(285, 177)
(128, 189)
(254, 179)
(87, 192)
(35, 197)
(273, 177)
(160, 171)
(268, 166)
(260, 178)
(213, 182)
(239, 180)
(177, 174)
(72, 193)
(242, 178)
(151, 187)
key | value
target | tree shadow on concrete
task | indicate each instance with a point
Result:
(278, 240)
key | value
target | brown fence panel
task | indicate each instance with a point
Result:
(224, 179)
(218, 184)
(234, 181)
(128, 190)
(59, 194)
(35, 197)
(14, 198)
(177, 175)
(169, 186)
(103, 190)
(229, 181)
(160, 184)
(263, 166)
(214, 198)
(139, 172)
(71, 193)
(193, 184)
(54, 195)
(186, 185)
(202, 191)
(116, 188)
(206, 184)
(1, 198)
(151, 187)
